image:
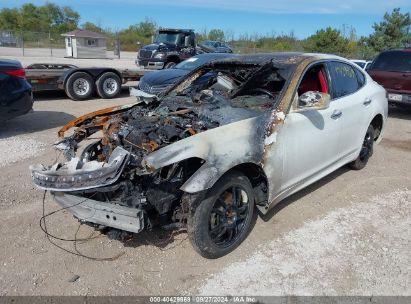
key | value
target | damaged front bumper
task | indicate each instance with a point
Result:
(78, 175)
(101, 213)
(63, 180)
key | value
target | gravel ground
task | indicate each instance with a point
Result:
(314, 242)
(360, 250)
(18, 148)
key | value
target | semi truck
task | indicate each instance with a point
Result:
(171, 46)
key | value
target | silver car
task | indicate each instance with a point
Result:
(208, 156)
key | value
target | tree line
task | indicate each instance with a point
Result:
(392, 31)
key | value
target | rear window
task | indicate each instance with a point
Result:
(360, 64)
(395, 61)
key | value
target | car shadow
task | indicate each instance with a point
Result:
(33, 122)
(49, 95)
(307, 190)
(400, 113)
(157, 237)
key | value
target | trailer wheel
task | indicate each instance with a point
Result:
(108, 85)
(79, 86)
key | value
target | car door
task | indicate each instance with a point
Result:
(352, 100)
(311, 139)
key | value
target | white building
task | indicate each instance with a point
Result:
(85, 44)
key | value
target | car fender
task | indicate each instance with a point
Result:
(379, 107)
(221, 149)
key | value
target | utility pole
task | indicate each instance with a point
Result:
(51, 45)
(22, 41)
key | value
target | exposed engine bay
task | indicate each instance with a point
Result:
(125, 167)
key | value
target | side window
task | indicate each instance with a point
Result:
(344, 79)
(91, 42)
(360, 77)
(314, 79)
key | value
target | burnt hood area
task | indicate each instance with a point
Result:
(147, 128)
(236, 92)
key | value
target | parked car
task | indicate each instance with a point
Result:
(16, 97)
(216, 46)
(361, 63)
(158, 81)
(392, 70)
(206, 156)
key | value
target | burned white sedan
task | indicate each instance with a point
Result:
(215, 149)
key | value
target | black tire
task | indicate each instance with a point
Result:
(216, 226)
(367, 149)
(73, 87)
(108, 85)
(170, 64)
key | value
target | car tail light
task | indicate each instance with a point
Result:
(17, 73)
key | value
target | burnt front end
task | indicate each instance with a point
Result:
(107, 182)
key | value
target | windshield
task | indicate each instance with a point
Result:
(394, 61)
(244, 85)
(210, 43)
(167, 38)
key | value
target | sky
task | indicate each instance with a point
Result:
(301, 17)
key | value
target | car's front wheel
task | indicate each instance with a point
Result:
(366, 151)
(224, 217)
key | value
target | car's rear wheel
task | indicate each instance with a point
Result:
(366, 151)
(108, 85)
(79, 86)
(224, 217)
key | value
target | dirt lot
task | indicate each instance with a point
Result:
(348, 234)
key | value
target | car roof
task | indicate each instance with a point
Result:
(280, 57)
(397, 50)
(214, 55)
(10, 63)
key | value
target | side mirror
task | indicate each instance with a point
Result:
(314, 100)
(187, 41)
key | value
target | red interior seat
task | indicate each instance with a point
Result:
(313, 81)
(323, 83)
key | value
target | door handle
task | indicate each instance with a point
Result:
(336, 114)
(367, 101)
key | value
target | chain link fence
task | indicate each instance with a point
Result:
(27, 43)
(40, 44)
